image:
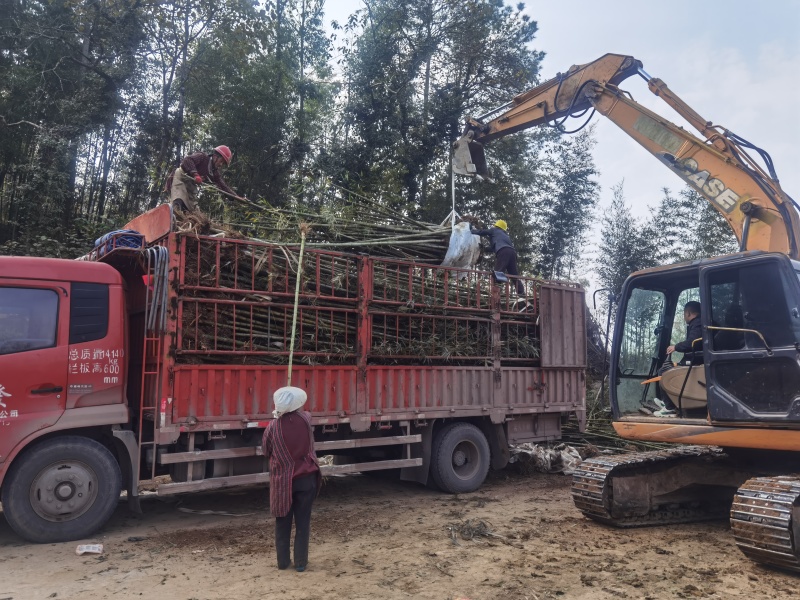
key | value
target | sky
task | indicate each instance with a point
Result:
(736, 62)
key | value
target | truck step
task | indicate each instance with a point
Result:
(184, 457)
(367, 442)
(235, 480)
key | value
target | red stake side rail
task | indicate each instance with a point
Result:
(377, 339)
(397, 358)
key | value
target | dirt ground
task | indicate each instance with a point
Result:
(374, 538)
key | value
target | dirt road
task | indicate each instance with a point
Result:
(373, 538)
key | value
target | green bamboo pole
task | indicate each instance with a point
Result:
(303, 231)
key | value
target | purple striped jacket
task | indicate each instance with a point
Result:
(282, 465)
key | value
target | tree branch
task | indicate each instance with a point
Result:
(7, 124)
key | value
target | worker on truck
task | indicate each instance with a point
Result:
(505, 256)
(194, 170)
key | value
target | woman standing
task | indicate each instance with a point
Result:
(294, 475)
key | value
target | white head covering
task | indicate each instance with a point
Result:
(288, 399)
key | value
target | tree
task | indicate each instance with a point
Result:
(625, 245)
(668, 229)
(270, 101)
(687, 227)
(64, 71)
(181, 32)
(566, 202)
(710, 233)
(413, 69)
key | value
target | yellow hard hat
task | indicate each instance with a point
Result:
(501, 224)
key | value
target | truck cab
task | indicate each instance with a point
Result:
(62, 369)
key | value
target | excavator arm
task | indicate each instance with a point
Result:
(719, 167)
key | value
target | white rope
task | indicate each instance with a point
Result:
(453, 194)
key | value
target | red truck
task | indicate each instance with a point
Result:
(161, 357)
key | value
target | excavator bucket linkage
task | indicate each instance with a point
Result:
(469, 158)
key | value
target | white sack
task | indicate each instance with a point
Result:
(464, 248)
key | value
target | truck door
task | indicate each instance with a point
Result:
(752, 375)
(34, 327)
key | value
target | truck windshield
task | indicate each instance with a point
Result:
(27, 319)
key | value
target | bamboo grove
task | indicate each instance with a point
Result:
(100, 100)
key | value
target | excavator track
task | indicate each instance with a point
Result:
(764, 521)
(593, 489)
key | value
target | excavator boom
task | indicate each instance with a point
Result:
(718, 167)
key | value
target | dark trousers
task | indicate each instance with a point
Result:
(505, 260)
(304, 490)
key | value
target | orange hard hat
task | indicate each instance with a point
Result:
(225, 153)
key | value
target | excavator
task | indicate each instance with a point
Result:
(735, 433)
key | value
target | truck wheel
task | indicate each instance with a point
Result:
(459, 458)
(61, 489)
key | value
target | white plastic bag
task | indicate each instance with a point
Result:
(464, 249)
(89, 549)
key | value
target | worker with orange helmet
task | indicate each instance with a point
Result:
(197, 169)
(505, 256)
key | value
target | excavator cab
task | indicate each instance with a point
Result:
(746, 367)
(736, 432)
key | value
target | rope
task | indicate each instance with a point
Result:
(158, 269)
(303, 231)
(453, 196)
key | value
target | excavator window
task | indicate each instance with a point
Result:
(755, 376)
(752, 297)
(678, 323)
(638, 353)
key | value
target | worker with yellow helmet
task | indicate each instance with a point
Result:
(505, 257)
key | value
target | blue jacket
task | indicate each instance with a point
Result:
(499, 239)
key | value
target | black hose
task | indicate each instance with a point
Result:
(585, 123)
(762, 153)
(759, 179)
(558, 123)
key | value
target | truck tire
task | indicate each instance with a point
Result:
(61, 489)
(459, 458)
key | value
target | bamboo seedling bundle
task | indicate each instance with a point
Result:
(238, 292)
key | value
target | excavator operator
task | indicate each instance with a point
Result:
(694, 330)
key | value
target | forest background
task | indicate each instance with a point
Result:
(99, 100)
